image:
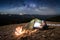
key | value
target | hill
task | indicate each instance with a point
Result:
(55, 19)
(6, 19)
(7, 33)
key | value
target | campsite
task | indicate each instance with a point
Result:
(29, 19)
(8, 32)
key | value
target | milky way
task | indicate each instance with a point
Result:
(42, 7)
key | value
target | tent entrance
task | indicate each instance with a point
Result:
(37, 24)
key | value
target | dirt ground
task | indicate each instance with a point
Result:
(7, 33)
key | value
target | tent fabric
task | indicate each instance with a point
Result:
(37, 24)
(32, 22)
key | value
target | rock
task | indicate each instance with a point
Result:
(52, 34)
(44, 36)
(0, 36)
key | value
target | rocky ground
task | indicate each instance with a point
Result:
(7, 33)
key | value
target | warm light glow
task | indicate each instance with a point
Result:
(19, 31)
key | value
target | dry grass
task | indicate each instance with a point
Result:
(7, 33)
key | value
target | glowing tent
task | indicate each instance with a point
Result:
(35, 23)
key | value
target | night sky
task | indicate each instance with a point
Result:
(42, 7)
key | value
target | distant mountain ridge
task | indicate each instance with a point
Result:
(12, 19)
(56, 18)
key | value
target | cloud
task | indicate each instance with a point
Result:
(46, 11)
(32, 10)
(40, 10)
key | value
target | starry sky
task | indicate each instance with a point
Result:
(41, 7)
